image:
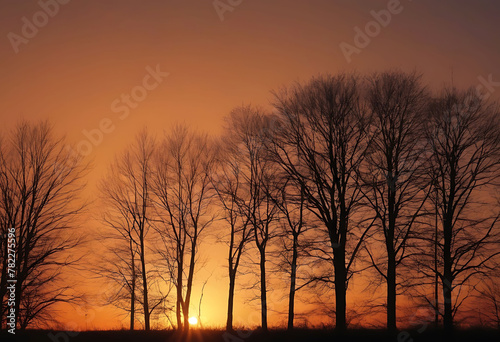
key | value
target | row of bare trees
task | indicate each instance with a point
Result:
(156, 203)
(349, 176)
(369, 163)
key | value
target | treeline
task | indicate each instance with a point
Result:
(347, 176)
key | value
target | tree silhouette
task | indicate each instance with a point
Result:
(349, 175)
(394, 185)
(464, 136)
(231, 192)
(40, 181)
(184, 163)
(127, 197)
(489, 298)
(291, 204)
(249, 128)
(321, 146)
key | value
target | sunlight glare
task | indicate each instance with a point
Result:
(193, 320)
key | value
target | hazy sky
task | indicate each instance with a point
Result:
(74, 67)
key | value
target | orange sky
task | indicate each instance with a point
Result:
(91, 52)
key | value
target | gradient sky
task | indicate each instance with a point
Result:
(92, 51)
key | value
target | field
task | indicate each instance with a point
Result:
(273, 335)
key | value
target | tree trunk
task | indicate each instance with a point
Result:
(448, 308)
(447, 273)
(291, 297)
(447, 288)
(145, 287)
(185, 313)
(179, 294)
(340, 289)
(132, 293)
(391, 254)
(189, 284)
(391, 293)
(263, 289)
(230, 301)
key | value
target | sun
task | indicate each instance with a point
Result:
(193, 320)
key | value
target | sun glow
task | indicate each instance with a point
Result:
(193, 320)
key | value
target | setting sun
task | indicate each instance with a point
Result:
(193, 320)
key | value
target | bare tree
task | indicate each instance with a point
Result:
(183, 166)
(229, 186)
(291, 204)
(250, 128)
(120, 268)
(321, 146)
(464, 135)
(394, 187)
(127, 196)
(40, 181)
(488, 299)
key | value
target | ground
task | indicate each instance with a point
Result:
(476, 335)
